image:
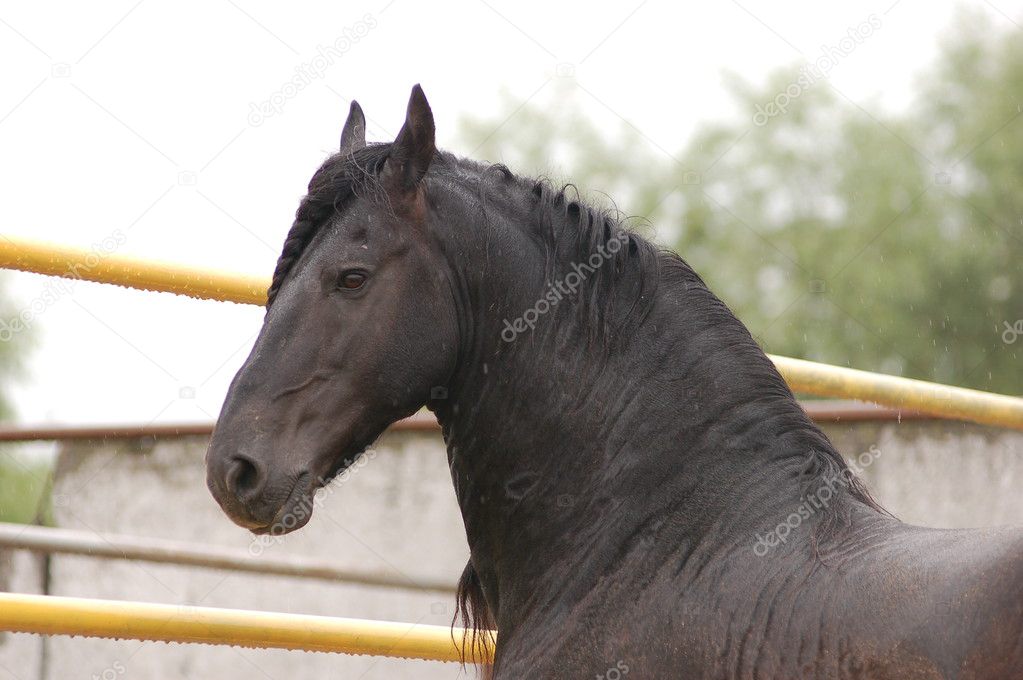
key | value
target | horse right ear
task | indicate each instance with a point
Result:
(353, 136)
(413, 148)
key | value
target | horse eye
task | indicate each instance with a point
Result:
(352, 280)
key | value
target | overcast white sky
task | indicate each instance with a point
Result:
(137, 116)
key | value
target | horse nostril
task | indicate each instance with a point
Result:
(244, 477)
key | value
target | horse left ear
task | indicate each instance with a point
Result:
(414, 147)
(353, 136)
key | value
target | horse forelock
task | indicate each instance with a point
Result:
(333, 184)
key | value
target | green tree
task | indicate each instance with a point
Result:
(24, 479)
(888, 242)
(15, 342)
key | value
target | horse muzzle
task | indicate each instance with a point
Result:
(257, 500)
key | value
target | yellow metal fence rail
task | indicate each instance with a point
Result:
(51, 615)
(102, 267)
(803, 376)
(940, 400)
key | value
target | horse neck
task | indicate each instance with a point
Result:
(564, 456)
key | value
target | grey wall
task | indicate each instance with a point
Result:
(396, 514)
(940, 473)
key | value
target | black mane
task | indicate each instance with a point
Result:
(568, 229)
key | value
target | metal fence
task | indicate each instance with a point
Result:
(102, 618)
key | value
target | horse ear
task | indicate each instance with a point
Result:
(353, 136)
(414, 147)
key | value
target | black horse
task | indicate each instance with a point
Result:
(642, 494)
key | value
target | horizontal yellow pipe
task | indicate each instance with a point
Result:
(106, 267)
(50, 615)
(912, 395)
(803, 376)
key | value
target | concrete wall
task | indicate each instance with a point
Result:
(939, 473)
(396, 514)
